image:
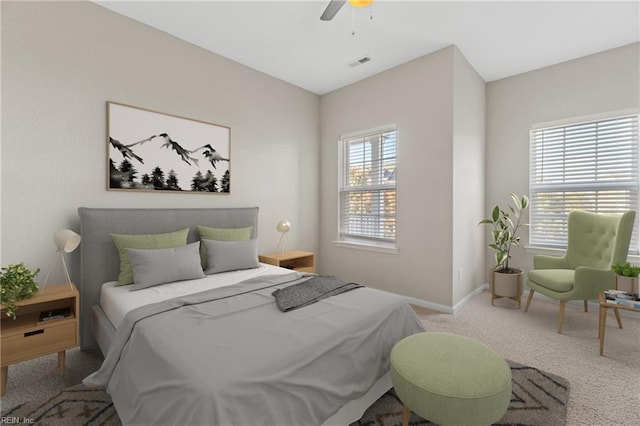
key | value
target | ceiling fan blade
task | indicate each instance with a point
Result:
(332, 8)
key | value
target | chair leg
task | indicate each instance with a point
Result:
(526, 308)
(405, 415)
(586, 306)
(561, 315)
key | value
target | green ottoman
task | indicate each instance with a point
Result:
(450, 380)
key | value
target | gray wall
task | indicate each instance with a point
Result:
(61, 62)
(607, 81)
(433, 134)
(468, 171)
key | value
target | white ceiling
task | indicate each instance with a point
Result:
(287, 40)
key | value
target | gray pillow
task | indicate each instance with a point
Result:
(221, 234)
(225, 256)
(159, 266)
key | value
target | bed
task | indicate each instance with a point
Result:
(223, 353)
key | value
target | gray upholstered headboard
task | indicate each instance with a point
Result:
(99, 260)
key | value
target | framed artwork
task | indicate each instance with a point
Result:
(152, 151)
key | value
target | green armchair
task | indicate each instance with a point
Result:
(595, 243)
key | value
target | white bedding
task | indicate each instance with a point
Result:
(229, 356)
(116, 301)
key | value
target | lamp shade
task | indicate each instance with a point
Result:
(66, 240)
(283, 226)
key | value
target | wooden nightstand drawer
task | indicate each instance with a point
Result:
(38, 342)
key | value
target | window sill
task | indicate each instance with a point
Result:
(368, 247)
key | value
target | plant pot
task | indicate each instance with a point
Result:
(628, 284)
(506, 285)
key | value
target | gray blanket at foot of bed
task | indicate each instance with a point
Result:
(316, 288)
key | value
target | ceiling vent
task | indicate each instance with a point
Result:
(360, 61)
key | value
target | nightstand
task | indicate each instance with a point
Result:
(302, 261)
(27, 337)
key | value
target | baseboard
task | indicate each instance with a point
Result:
(422, 303)
(470, 296)
(429, 305)
(443, 308)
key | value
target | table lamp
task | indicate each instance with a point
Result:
(283, 227)
(66, 241)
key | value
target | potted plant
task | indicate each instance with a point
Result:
(17, 283)
(626, 277)
(506, 281)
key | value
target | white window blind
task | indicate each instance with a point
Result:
(590, 166)
(367, 187)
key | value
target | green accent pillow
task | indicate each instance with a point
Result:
(220, 234)
(224, 234)
(149, 241)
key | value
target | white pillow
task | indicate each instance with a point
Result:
(225, 256)
(159, 266)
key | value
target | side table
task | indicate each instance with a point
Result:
(604, 305)
(297, 260)
(27, 337)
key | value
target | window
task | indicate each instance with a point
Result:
(368, 187)
(588, 165)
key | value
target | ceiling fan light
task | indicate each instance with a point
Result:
(360, 3)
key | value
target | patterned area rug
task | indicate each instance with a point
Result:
(74, 406)
(538, 398)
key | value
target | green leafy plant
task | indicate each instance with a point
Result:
(506, 225)
(626, 269)
(17, 283)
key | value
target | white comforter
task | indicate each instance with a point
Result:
(228, 356)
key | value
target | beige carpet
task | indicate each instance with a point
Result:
(604, 390)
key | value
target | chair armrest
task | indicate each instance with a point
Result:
(542, 261)
(589, 282)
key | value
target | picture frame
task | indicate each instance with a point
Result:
(154, 151)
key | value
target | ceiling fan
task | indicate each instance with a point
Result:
(335, 5)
